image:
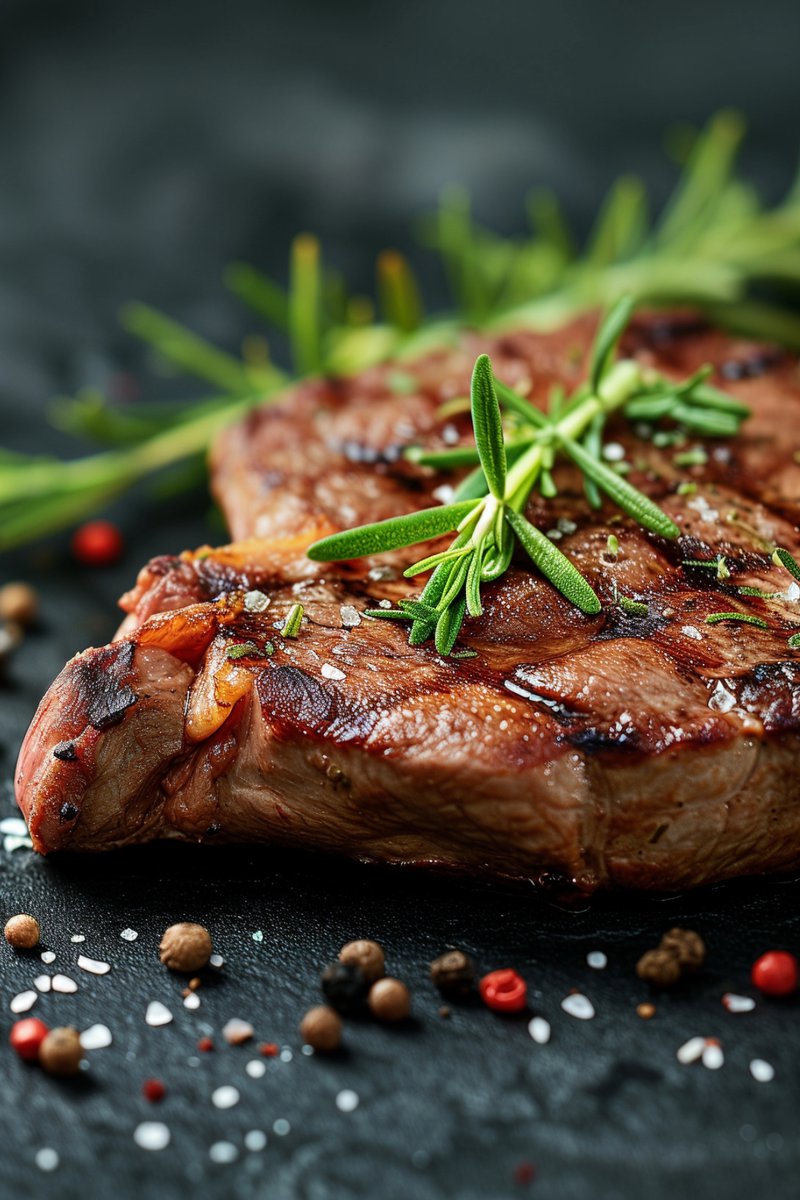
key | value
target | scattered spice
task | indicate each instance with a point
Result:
(93, 966)
(185, 947)
(687, 946)
(344, 986)
(61, 1052)
(23, 1001)
(236, 1032)
(205, 1045)
(268, 1049)
(26, 1037)
(775, 973)
(321, 1028)
(22, 931)
(579, 1006)
(365, 954)
(504, 991)
(97, 544)
(19, 604)
(539, 1029)
(646, 1011)
(661, 968)
(157, 1014)
(96, 1037)
(294, 619)
(389, 1000)
(453, 973)
(524, 1173)
(153, 1090)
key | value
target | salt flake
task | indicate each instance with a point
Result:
(350, 616)
(712, 1056)
(255, 1140)
(597, 960)
(78, 937)
(256, 1068)
(721, 700)
(23, 1002)
(539, 1029)
(152, 1135)
(331, 672)
(93, 965)
(691, 1051)
(96, 1037)
(578, 1005)
(762, 1071)
(48, 956)
(192, 1001)
(47, 1159)
(63, 983)
(225, 1097)
(157, 1014)
(256, 601)
(42, 983)
(129, 935)
(738, 1004)
(14, 826)
(223, 1152)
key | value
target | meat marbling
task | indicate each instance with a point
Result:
(650, 752)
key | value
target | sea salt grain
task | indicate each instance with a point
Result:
(256, 601)
(96, 1037)
(597, 960)
(157, 1014)
(63, 983)
(539, 1029)
(330, 672)
(42, 983)
(192, 1001)
(350, 616)
(578, 1005)
(256, 1068)
(217, 961)
(712, 1056)
(691, 632)
(738, 1004)
(255, 1140)
(47, 1159)
(78, 937)
(281, 1127)
(762, 1072)
(152, 1135)
(721, 700)
(48, 956)
(225, 1097)
(129, 935)
(14, 826)
(347, 1100)
(223, 1152)
(23, 1002)
(93, 965)
(692, 1050)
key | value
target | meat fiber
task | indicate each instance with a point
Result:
(653, 751)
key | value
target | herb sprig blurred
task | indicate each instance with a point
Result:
(713, 247)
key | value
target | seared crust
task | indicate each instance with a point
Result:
(653, 752)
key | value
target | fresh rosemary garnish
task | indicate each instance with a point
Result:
(717, 565)
(794, 642)
(745, 618)
(294, 619)
(782, 558)
(487, 511)
(249, 650)
(712, 242)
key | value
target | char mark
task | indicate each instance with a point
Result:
(102, 684)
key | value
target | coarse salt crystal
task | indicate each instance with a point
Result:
(129, 935)
(236, 1032)
(578, 1005)
(157, 1014)
(63, 983)
(691, 632)
(444, 493)
(281, 1127)
(10, 844)
(691, 1051)
(47, 1159)
(14, 825)
(286, 1054)
(255, 1140)
(23, 1002)
(613, 452)
(712, 1056)
(152, 1135)
(350, 616)
(258, 936)
(96, 1037)
(48, 956)
(78, 937)
(225, 1097)
(539, 1029)
(738, 1004)
(597, 960)
(217, 961)
(256, 601)
(93, 965)
(256, 1068)
(347, 1100)
(721, 700)
(223, 1152)
(191, 1001)
(330, 672)
(762, 1071)
(42, 983)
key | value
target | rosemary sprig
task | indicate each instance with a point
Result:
(712, 243)
(487, 512)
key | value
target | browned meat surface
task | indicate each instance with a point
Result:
(653, 752)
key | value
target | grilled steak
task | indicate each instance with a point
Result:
(652, 751)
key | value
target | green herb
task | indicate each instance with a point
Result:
(687, 488)
(754, 591)
(633, 608)
(782, 558)
(294, 619)
(794, 642)
(487, 513)
(746, 618)
(245, 650)
(612, 546)
(713, 243)
(696, 457)
(718, 565)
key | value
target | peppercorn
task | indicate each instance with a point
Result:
(453, 973)
(97, 544)
(321, 1028)
(18, 604)
(268, 1049)
(688, 947)
(389, 1000)
(504, 990)
(775, 973)
(344, 986)
(662, 968)
(26, 1037)
(153, 1090)
(22, 931)
(646, 1011)
(185, 947)
(60, 1053)
(364, 954)
(205, 1045)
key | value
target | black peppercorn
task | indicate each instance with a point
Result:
(453, 973)
(344, 986)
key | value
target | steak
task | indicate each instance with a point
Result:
(640, 750)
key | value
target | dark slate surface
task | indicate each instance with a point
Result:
(140, 148)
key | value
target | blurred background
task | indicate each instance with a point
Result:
(144, 146)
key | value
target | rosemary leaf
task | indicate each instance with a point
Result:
(794, 642)
(565, 577)
(633, 608)
(745, 618)
(294, 619)
(629, 498)
(782, 558)
(391, 534)
(449, 625)
(488, 426)
(608, 335)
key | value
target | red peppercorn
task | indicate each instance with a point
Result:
(504, 990)
(775, 973)
(268, 1049)
(205, 1044)
(97, 544)
(27, 1036)
(524, 1172)
(153, 1090)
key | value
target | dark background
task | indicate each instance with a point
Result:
(141, 148)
